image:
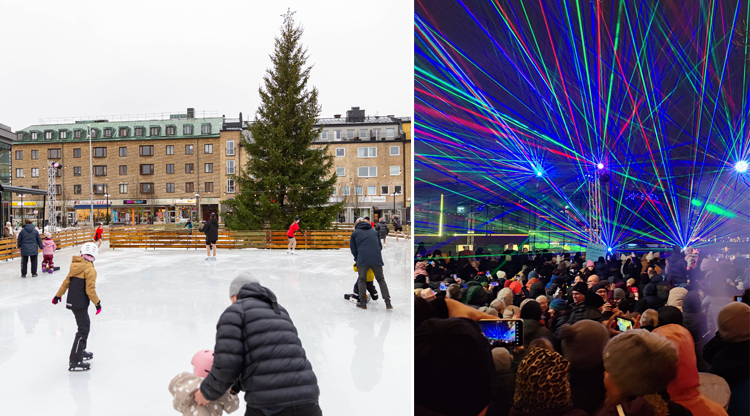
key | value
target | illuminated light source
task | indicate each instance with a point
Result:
(741, 166)
(600, 165)
(539, 173)
(440, 229)
(609, 249)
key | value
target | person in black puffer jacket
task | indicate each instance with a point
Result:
(677, 270)
(382, 228)
(366, 247)
(211, 229)
(258, 351)
(28, 241)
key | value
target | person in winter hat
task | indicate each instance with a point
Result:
(184, 386)
(531, 313)
(511, 310)
(48, 251)
(582, 345)
(684, 388)
(81, 287)
(676, 296)
(694, 320)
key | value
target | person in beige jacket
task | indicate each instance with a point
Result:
(184, 386)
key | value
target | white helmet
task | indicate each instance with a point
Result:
(91, 249)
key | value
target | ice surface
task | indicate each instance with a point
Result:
(160, 307)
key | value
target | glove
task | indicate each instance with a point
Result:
(98, 307)
(56, 299)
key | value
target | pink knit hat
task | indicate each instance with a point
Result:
(589, 263)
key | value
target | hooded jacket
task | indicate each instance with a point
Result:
(382, 229)
(731, 360)
(649, 300)
(80, 284)
(49, 247)
(183, 388)
(684, 388)
(211, 229)
(257, 344)
(29, 241)
(365, 245)
(677, 272)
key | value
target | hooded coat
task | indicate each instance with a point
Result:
(183, 388)
(365, 245)
(649, 300)
(257, 343)
(80, 285)
(382, 229)
(600, 268)
(211, 229)
(677, 273)
(29, 241)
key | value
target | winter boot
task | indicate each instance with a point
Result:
(388, 305)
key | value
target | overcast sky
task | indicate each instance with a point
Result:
(83, 58)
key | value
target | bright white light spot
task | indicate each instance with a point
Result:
(600, 165)
(539, 173)
(609, 249)
(741, 166)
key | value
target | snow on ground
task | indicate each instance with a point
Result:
(159, 307)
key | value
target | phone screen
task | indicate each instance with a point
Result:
(493, 283)
(442, 286)
(738, 298)
(503, 332)
(624, 324)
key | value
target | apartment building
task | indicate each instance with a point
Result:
(160, 169)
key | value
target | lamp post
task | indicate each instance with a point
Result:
(91, 178)
(109, 218)
(23, 213)
(197, 205)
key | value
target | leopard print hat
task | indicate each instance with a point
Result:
(542, 382)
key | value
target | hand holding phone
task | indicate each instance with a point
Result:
(442, 286)
(493, 283)
(503, 332)
(624, 324)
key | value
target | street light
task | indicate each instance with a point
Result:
(110, 219)
(197, 196)
(91, 178)
(22, 208)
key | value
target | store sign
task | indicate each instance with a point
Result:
(372, 199)
(102, 202)
(184, 201)
(25, 204)
(335, 199)
(134, 202)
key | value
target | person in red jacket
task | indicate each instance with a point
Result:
(98, 235)
(290, 234)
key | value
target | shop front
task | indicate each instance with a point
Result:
(185, 209)
(83, 211)
(26, 210)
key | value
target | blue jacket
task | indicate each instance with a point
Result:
(29, 240)
(365, 245)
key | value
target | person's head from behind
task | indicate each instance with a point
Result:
(7, 224)
(531, 310)
(734, 322)
(382, 219)
(638, 363)
(454, 292)
(48, 235)
(213, 215)
(650, 318)
(498, 305)
(28, 221)
(474, 367)
(89, 251)
(297, 218)
(241, 280)
(592, 280)
(202, 362)
(542, 369)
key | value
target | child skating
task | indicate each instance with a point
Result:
(290, 234)
(48, 252)
(184, 386)
(81, 287)
(370, 284)
(98, 235)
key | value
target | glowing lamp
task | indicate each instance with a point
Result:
(741, 166)
(539, 173)
(609, 249)
(600, 165)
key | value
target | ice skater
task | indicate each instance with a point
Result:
(30, 243)
(211, 229)
(81, 286)
(365, 246)
(382, 228)
(98, 235)
(184, 386)
(397, 228)
(354, 296)
(48, 253)
(290, 234)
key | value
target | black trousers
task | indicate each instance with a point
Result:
(79, 343)
(370, 288)
(362, 282)
(24, 259)
(299, 410)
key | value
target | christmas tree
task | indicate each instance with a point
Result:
(285, 175)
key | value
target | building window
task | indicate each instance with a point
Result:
(100, 170)
(324, 135)
(371, 190)
(154, 131)
(123, 151)
(367, 171)
(206, 129)
(35, 154)
(76, 153)
(147, 169)
(188, 149)
(147, 188)
(63, 134)
(189, 187)
(100, 188)
(187, 129)
(77, 189)
(376, 133)
(123, 188)
(146, 150)
(93, 133)
(170, 130)
(358, 190)
(389, 133)
(77, 134)
(384, 190)
(170, 169)
(123, 169)
(363, 134)
(170, 188)
(123, 132)
(208, 168)
(395, 151)
(337, 134)
(19, 173)
(189, 168)
(34, 135)
(395, 170)
(208, 149)
(345, 190)
(397, 189)
(138, 133)
(335, 190)
(77, 171)
(58, 189)
(230, 148)
(230, 186)
(170, 150)
(367, 152)
(54, 153)
(58, 172)
(34, 172)
(100, 152)
(350, 133)
(47, 135)
(230, 167)
(340, 152)
(208, 187)
(19, 154)
(340, 171)
(109, 132)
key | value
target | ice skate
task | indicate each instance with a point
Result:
(374, 296)
(213, 258)
(51, 270)
(33, 275)
(208, 258)
(87, 355)
(79, 366)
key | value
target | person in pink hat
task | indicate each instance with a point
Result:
(184, 386)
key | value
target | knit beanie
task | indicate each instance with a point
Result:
(676, 296)
(580, 287)
(531, 310)
(241, 280)
(589, 263)
(533, 275)
(500, 274)
(593, 300)
(596, 287)
(640, 362)
(734, 322)
(506, 295)
(515, 287)
(583, 344)
(669, 315)
(619, 293)
(557, 305)
(542, 382)
(502, 359)
(650, 256)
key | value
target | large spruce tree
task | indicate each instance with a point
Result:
(285, 176)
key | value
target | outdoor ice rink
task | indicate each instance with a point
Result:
(160, 307)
